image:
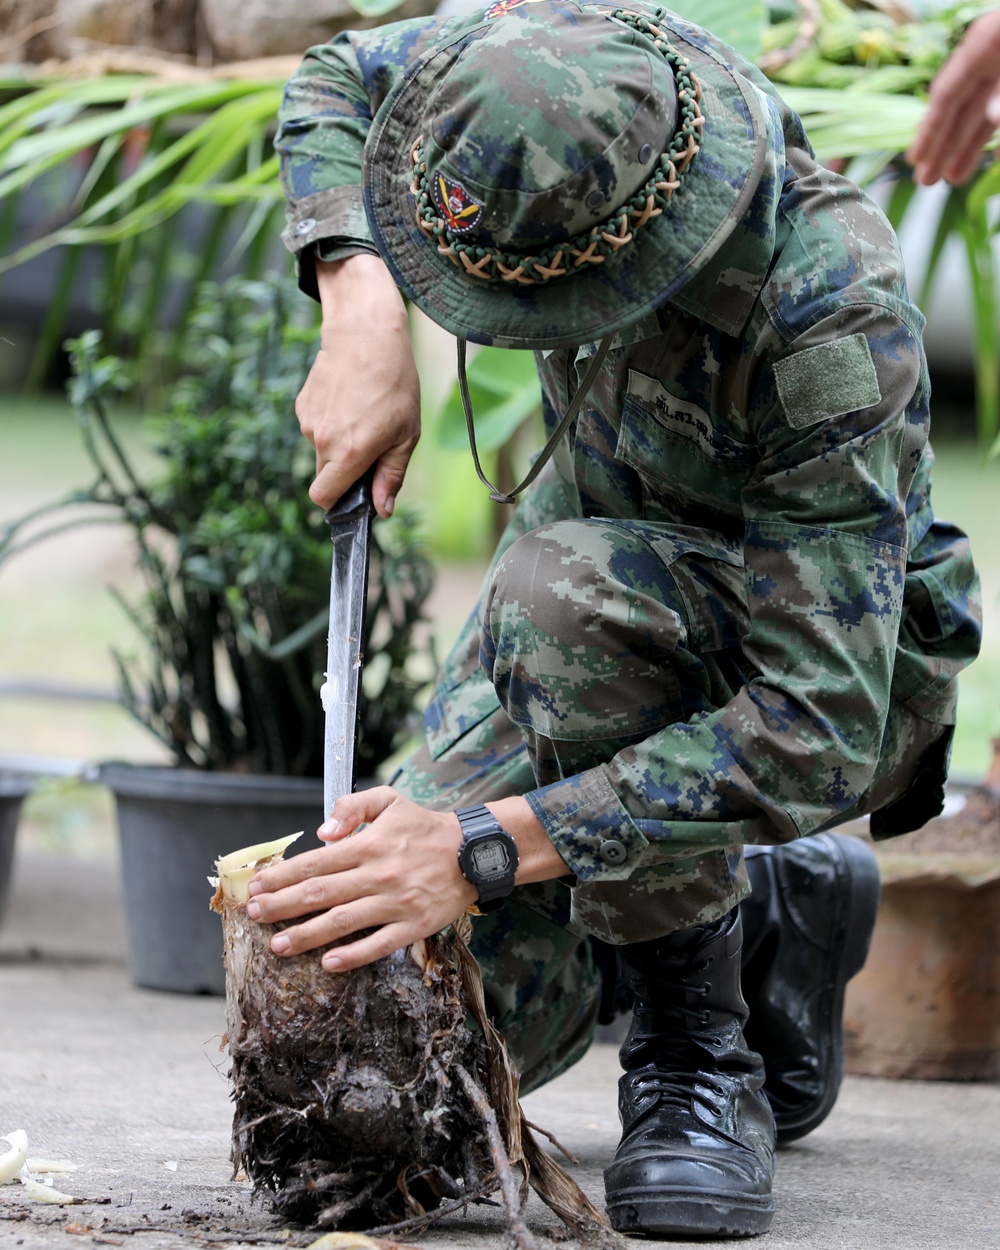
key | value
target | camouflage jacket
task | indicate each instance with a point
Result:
(778, 404)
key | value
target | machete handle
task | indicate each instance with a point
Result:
(354, 502)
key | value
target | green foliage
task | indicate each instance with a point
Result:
(740, 25)
(122, 155)
(235, 558)
(977, 234)
(506, 398)
(863, 45)
(194, 141)
(505, 392)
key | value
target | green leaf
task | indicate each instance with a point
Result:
(305, 634)
(58, 103)
(504, 372)
(741, 25)
(208, 151)
(976, 234)
(949, 223)
(900, 198)
(864, 168)
(93, 127)
(105, 157)
(855, 123)
(984, 188)
(504, 390)
(231, 130)
(33, 155)
(375, 8)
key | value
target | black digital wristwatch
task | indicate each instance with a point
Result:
(487, 857)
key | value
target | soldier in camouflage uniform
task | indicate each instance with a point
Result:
(724, 614)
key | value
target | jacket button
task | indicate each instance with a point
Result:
(613, 852)
(305, 226)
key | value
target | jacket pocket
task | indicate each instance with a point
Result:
(681, 453)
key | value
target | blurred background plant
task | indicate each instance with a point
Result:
(118, 157)
(234, 556)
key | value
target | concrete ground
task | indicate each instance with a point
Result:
(131, 1085)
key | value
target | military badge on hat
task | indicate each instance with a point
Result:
(459, 210)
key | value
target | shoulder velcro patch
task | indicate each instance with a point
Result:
(827, 381)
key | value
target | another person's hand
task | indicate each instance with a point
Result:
(964, 108)
(360, 404)
(398, 876)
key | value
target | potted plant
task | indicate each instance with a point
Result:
(235, 562)
(15, 786)
(926, 1005)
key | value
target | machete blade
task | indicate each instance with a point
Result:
(350, 529)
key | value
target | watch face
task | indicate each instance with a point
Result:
(489, 858)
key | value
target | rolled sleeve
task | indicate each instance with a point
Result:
(587, 823)
(335, 214)
(323, 124)
(329, 226)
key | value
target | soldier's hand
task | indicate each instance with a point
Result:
(360, 404)
(398, 878)
(391, 867)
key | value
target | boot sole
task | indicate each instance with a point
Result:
(691, 1215)
(859, 906)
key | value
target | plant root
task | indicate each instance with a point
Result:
(364, 1101)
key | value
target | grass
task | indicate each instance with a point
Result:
(57, 621)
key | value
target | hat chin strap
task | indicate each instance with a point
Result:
(500, 496)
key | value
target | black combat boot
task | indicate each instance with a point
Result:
(697, 1151)
(807, 927)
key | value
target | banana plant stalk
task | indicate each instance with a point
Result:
(364, 1100)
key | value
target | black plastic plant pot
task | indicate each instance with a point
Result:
(14, 787)
(173, 825)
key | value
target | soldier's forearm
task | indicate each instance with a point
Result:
(359, 292)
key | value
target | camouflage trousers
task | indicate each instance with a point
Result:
(573, 689)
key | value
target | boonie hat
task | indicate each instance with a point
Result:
(551, 171)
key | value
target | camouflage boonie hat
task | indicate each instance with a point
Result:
(557, 169)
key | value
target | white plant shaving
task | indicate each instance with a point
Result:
(35, 1175)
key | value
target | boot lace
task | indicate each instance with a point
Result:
(672, 1087)
(679, 1004)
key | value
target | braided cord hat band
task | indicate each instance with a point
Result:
(619, 282)
(592, 247)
